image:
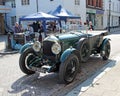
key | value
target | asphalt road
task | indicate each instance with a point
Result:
(15, 83)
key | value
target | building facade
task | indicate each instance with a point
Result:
(96, 11)
(26, 7)
(112, 13)
(3, 11)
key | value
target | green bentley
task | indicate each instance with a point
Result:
(63, 53)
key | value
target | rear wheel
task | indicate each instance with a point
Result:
(68, 69)
(84, 49)
(26, 59)
(105, 52)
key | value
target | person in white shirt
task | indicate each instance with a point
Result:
(29, 34)
(30, 29)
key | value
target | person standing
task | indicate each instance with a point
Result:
(17, 28)
(41, 30)
(35, 26)
(30, 29)
(91, 27)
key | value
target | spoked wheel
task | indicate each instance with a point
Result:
(105, 52)
(26, 60)
(69, 69)
(84, 49)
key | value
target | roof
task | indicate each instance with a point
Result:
(63, 13)
(39, 16)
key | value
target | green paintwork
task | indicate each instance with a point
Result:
(25, 46)
(68, 42)
(66, 53)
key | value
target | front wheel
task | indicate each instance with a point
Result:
(68, 69)
(105, 52)
(25, 60)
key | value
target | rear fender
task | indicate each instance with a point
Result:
(67, 52)
(104, 42)
(24, 47)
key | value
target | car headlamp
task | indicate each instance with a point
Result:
(37, 46)
(56, 48)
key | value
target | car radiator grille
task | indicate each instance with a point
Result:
(47, 48)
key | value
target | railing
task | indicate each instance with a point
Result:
(114, 28)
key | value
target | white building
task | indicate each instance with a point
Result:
(11, 16)
(114, 7)
(25, 7)
(21, 8)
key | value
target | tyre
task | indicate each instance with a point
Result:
(24, 62)
(68, 69)
(105, 52)
(84, 49)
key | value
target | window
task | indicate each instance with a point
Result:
(97, 3)
(2, 2)
(25, 2)
(13, 5)
(88, 2)
(101, 3)
(77, 2)
(13, 20)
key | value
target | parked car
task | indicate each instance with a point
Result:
(63, 53)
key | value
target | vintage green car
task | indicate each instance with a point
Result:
(63, 53)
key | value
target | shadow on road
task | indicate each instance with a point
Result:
(47, 84)
(35, 85)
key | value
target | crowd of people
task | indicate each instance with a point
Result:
(37, 27)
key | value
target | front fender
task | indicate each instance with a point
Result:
(67, 52)
(25, 46)
(104, 42)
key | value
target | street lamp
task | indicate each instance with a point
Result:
(109, 15)
(37, 5)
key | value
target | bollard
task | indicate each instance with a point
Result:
(8, 43)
